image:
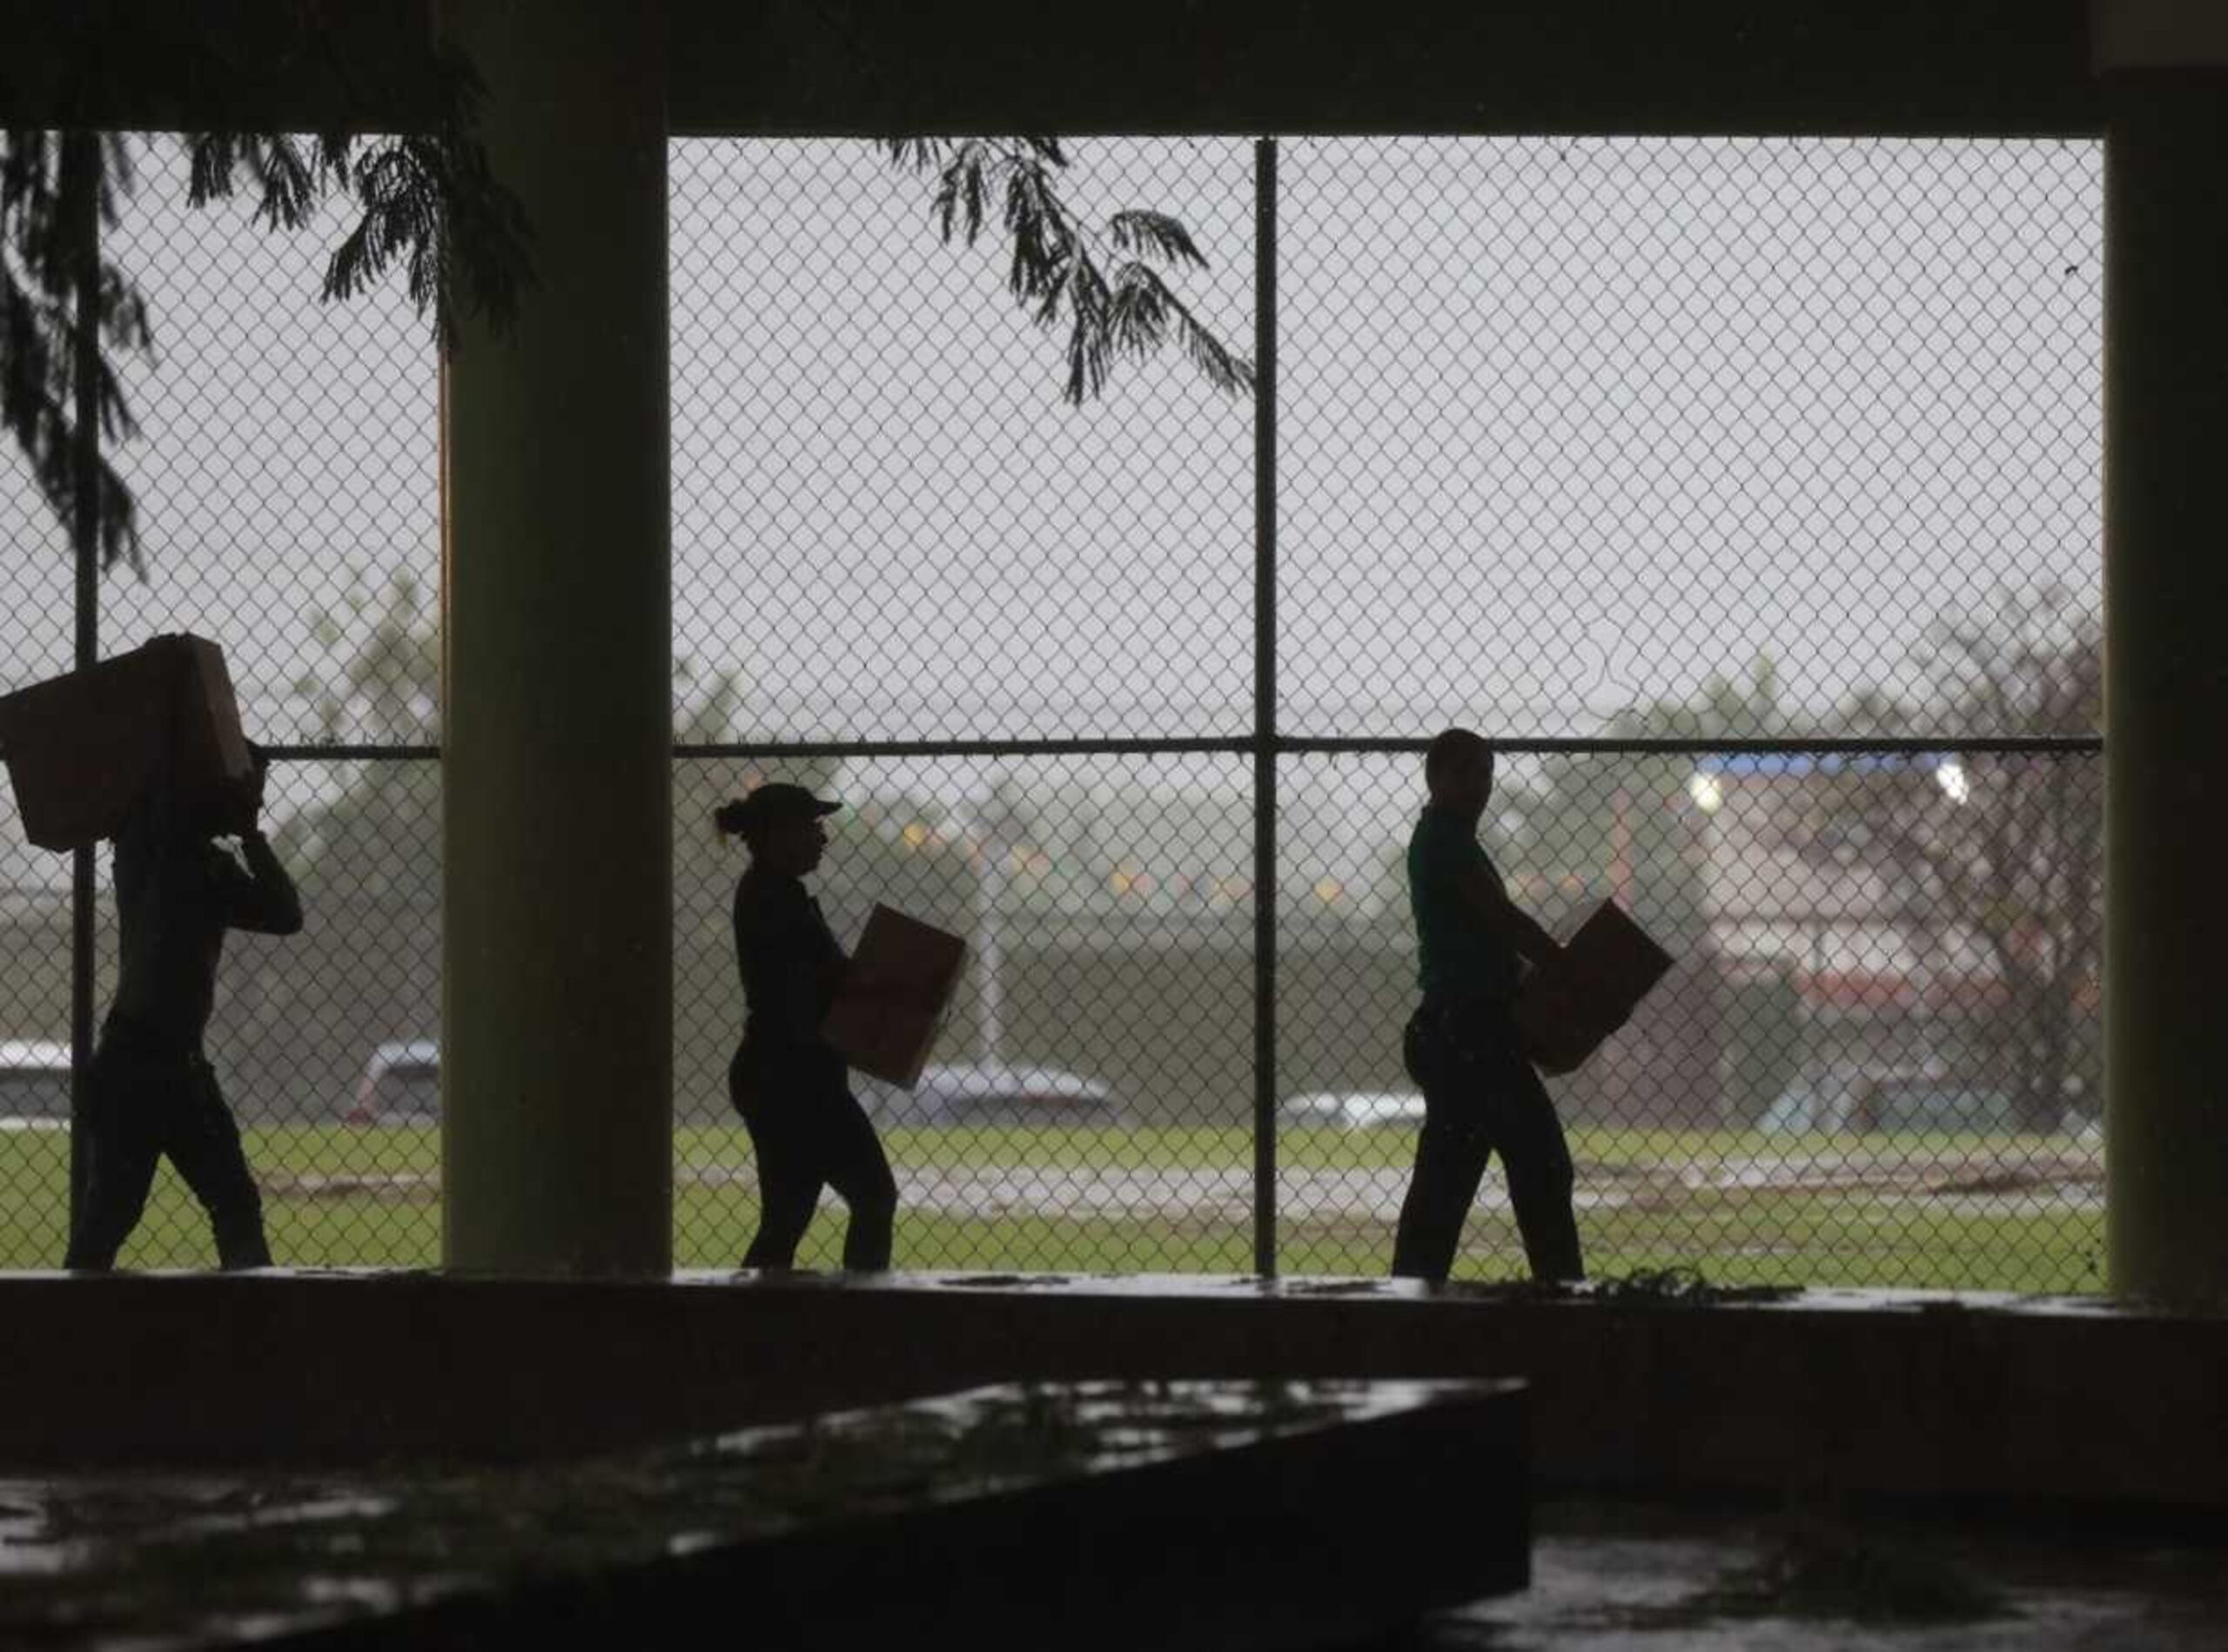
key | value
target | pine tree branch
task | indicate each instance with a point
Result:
(426, 202)
(40, 200)
(1055, 265)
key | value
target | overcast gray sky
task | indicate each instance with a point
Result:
(1565, 426)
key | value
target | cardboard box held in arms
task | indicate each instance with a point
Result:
(1589, 989)
(895, 996)
(82, 750)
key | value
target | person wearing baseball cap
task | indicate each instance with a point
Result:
(793, 1091)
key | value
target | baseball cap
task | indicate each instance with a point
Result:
(777, 800)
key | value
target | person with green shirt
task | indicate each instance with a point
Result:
(1481, 1093)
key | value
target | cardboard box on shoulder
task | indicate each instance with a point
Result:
(895, 996)
(1589, 989)
(82, 750)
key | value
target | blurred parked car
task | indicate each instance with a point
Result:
(34, 1085)
(402, 1084)
(1895, 1101)
(990, 1093)
(1333, 1111)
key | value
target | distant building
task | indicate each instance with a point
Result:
(1877, 973)
(1779, 894)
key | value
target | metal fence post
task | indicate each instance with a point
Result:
(81, 165)
(1265, 706)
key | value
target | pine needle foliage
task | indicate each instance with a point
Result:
(44, 186)
(424, 202)
(1107, 286)
(427, 203)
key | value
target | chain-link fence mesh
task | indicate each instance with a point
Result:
(1748, 490)
(287, 490)
(1861, 1068)
(1571, 426)
(1091, 1098)
(886, 523)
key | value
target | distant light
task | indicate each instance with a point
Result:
(1708, 793)
(916, 834)
(1329, 890)
(1956, 783)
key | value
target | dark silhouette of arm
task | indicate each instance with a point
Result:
(1482, 893)
(263, 898)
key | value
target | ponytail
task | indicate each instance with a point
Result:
(729, 817)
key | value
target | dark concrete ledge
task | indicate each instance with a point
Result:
(1079, 1516)
(1932, 1395)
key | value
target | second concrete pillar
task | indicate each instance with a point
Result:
(556, 607)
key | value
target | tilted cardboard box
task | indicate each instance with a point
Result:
(82, 750)
(895, 996)
(1586, 991)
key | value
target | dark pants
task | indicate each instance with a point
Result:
(145, 1101)
(808, 1131)
(1481, 1096)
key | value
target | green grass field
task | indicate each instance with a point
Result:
(1974, 1213)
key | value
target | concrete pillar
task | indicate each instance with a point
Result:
(2166, 644)
(557, 1014)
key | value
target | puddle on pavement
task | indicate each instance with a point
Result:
(1677, 1577)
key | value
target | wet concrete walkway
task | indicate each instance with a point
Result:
(1090, 1516)
(1639, 1577)
(1607, 1574)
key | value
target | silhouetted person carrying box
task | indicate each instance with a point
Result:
(793, 1090)
(153, 1091)
(1461, 1046)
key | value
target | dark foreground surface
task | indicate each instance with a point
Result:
(1606, 1576)
(1651, 1577)
(2040, 1436)
(1068, 1515)
(1637, 1387)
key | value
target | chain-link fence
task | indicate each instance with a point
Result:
(1747, 491)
